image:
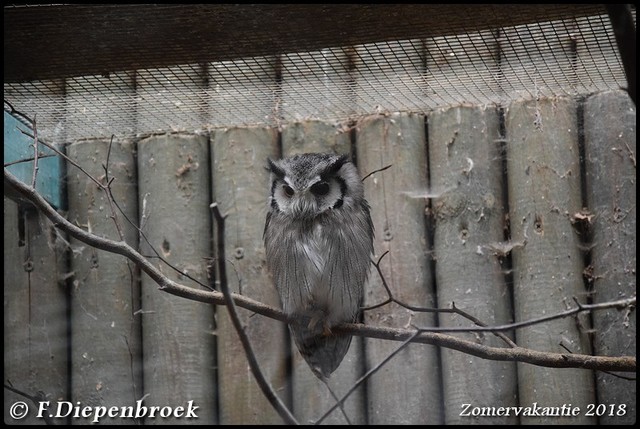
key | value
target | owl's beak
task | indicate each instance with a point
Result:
(304, 204)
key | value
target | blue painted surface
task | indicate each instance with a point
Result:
(19, 146)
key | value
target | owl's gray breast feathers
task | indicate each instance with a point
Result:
(323, 266)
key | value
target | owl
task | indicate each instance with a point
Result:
(319, 241)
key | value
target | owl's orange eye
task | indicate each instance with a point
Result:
(288, 191)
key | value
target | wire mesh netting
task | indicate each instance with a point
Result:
(561, 57)
(97, 332)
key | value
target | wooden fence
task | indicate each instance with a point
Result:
(509, 213)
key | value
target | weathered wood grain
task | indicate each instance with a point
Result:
(544, 193)
(106, 339)
(610, 153)
(465, 165)
(407, 389)
(240, 182)
(178, 335)
(35, 310)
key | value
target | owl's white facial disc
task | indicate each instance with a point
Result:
(308, 188)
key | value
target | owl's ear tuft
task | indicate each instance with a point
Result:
(275, 169)
(336, 165)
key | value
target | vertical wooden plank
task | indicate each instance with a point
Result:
(610, 152)
(243, 198)
(407, 389)
(178, 334)
(544, 192)
(310, 396)
(35, 311)
(315, 136)
(105, 297)
(465, 165)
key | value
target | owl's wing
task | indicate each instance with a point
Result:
(266, 225)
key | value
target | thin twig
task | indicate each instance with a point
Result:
(106, 166)
(107, 190)
(377, 171)
(482, 326)
(271, 396)
(621, 303)
(65, 157)
(20, 161)
(101, 186)
(455, 310)
(112, 201)
(157, 254)
(554, 360)
(35, 153)
(37, 400)
(391, 298)
(620, 376)
(632, 156)
(339, 402)
(13, 112)
(367, 375)
(478, 322)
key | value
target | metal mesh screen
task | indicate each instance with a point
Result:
(563, 57)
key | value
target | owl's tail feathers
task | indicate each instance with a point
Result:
(323, 353)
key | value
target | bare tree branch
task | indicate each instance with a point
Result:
(453, 309)
(519, 354)
(107, 188)
(557, 360)
(482, 327)
(65, 157)
(271, 396)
